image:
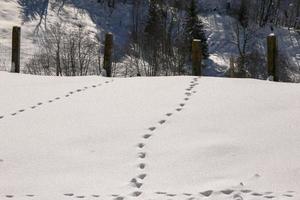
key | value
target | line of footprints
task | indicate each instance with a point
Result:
(39, 104)
(138, 181)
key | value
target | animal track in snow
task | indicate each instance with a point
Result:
(169, 114)
(152, 128)
(1, 117)
(142, 176)
(119, 198)
(207, 193)
(256, 194)
(182, 104)
(136, 193)
(141, 145)
(160, 192)
(69, 194)
(288, 195)
(162, 121)
(171, 195)
(29, 195)
(179, 109)
(95, 195)
(227, 192)
(22, 110)
(9, 196)
(142, 155)
(269, 197)
(142, 165)
(13, 114)
(80, 197)
(246, 191)
(147, 136)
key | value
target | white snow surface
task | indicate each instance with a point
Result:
(101, 138)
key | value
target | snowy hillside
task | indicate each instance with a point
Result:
(148, 138)
(99, 19)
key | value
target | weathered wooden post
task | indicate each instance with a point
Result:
(272, 56)
(231, 67)
(16, 42)
(108, 49)
(197, 57)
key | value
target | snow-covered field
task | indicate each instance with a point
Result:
(148, 138)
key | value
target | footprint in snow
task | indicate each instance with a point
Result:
(141, 145)
(160, 192)
(67, 95)
(50, 101)
(33, 107)
(227, 192)
(256, 194)
(207, 193)
(142, 155)
(288, 195)
(22, 110)
(80, 197)
(162, 121)
(57, 98)
(169, 114)
(147, 136)
(186, 99)
(171, 195)
(119, 198)
(182, 104)
(191, 198)
(136, 193)
(96, 195)
(178, 109)
(69, 194)
(269, 197)
(9, 196)
(142, 176)
(152, 128)
(237, 197)
(1, 117)
(78, 90)
(246, 191)
(40, 103)
(187, 194)
(29, 195)
(14, 114)
(142, 165)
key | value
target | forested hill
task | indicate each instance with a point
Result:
(151, 36)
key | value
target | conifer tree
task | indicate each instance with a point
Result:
(153, 36)
(194, 29)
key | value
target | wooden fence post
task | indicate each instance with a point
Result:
(272, 56)
(197, 57)
(108, 49)
(231, 68)
(16, 43)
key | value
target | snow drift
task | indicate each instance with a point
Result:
(148, 138)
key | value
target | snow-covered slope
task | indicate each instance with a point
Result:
(33, 17)
(148, 138)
